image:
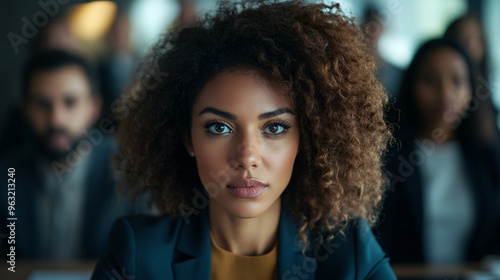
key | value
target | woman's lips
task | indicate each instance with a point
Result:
(246, 187)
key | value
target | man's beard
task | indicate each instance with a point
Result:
(53, 154)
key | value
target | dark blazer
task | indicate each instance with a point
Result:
(101, 208)
(148, 247)
(400, 231)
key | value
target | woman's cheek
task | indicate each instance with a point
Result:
(282, 153)
(209, 158)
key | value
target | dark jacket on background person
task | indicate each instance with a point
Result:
(99, 210)
(400, 230)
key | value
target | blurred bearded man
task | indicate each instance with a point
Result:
(65, 198)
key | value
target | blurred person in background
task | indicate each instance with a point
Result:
(188, 14)
(444, 202)
(388, 74)
(55, 35)
(469, 31)
(65, 188)
(117, 63)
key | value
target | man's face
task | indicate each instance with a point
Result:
(60, 108)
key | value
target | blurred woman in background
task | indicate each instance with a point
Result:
(444, 204)
(469, 31)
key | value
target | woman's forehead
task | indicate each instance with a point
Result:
(242, 90)
(444, 58)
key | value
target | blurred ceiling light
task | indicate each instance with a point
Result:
(92, 20)
(150, 19)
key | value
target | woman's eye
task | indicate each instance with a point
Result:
(218, 128)
(275, 128)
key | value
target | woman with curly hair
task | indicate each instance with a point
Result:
(259, 135)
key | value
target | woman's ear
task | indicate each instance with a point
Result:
(188, 144)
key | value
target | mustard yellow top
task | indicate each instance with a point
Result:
(228, 266)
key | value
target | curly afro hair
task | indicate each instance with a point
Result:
(313, 51)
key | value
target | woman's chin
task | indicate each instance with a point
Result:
(245, 209)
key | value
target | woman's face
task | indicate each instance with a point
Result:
(442, 88)
(245, 138)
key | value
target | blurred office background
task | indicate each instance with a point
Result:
(115, 34)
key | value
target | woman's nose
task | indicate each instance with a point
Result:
(247, 154)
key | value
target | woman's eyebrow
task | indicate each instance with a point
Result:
(275, 113)
(233, 117)
(218, 112)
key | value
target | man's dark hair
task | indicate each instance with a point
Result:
(52, 60)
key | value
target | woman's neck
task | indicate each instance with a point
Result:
(247, 237)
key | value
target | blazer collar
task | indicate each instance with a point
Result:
(194, 246)
(411, 186)
(291, 261)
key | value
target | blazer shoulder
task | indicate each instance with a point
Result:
(144, 232)
(371, 260)
(137, 242)
(357, 255)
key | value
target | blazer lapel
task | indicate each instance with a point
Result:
(291, 263)
(484, 199)
(193, 247)
(409, 184)
(413, 190)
